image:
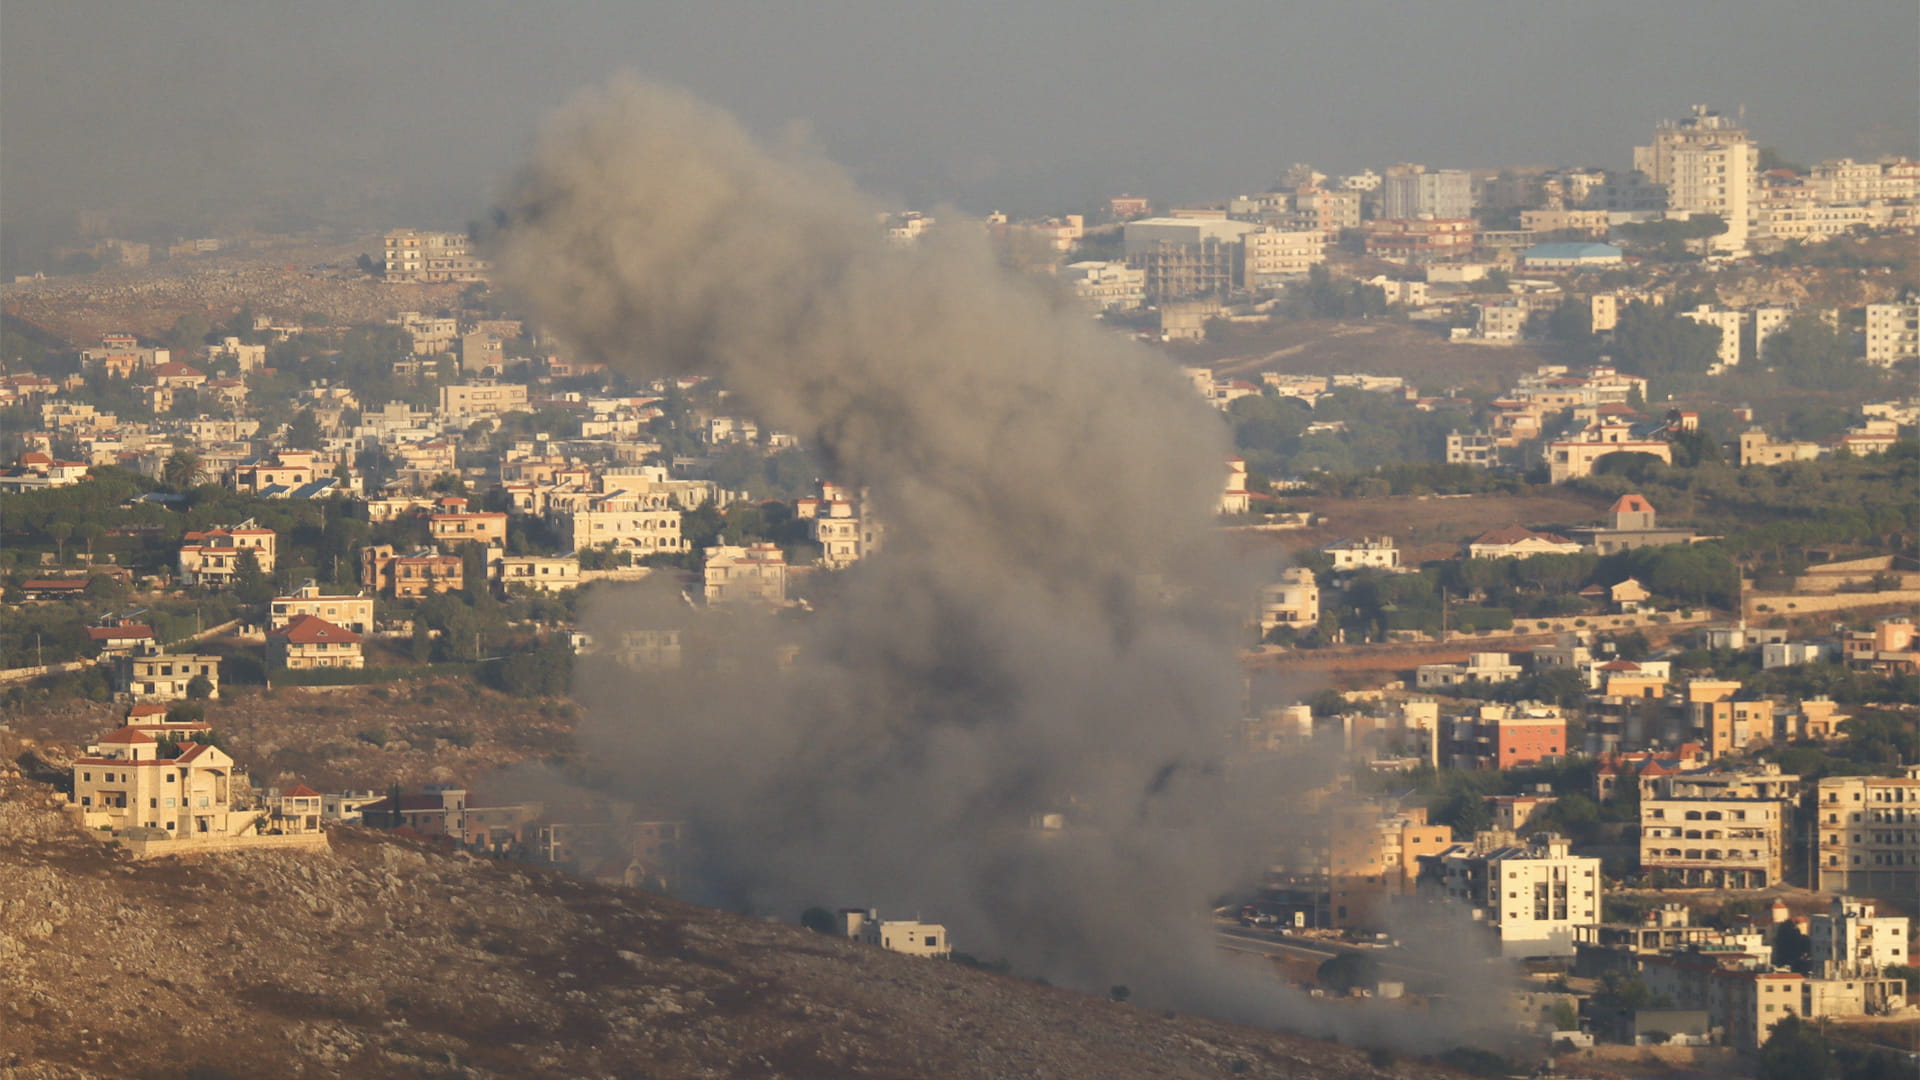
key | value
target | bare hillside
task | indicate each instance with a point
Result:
(386, 958)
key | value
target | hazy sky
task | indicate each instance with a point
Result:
(989, 103)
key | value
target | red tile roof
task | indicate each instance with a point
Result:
(301, 791)
(312, 630)
(1631, 504)
(129, 736)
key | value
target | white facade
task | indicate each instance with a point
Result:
(1706, 163)
(1893, 333)
(1852, 942)
(1729, 323)
(1293, 601)
(1532, 897)
(899, 935)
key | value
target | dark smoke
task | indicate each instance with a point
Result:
(1051, 627)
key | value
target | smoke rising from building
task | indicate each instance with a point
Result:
(1050, 628)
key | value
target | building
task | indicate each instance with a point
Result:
(540, 573)
(406, 577)
(1183, 257)
(1516, 542)
(1272, 257)
(645, 531)
(354, 613)
(1716, 829)
(1631, 523)
(1570, 256)
(914, 938)
(1867, 834)
(1851, 942)
(1293, 601)
(147, 674)
(1365, 553)
(451, 531)
(1414, 192)
(1481, 667)
(461, 403)
(127, 781)
(1500, 736)
(438, 811)
(119, 634)
(309, 641)
(1729, 323)
(1345, 862)
(213, 558)
(755, 572)
(1893, 333)
(1476, 448)
(1706, 163)
(1531, 899)
(429, 257)
(1420, 241)
(1108, 286)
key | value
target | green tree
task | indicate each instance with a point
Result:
(182, 470)
(60, 532)
(189, 333)
(1794, 1051)
(250, 583)
(304, 432)
(199, 688)
(1655, 342)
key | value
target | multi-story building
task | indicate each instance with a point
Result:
(213, 557)
(1476, 448)
(354, 612)
(1867, 834)
(1530, 898)
(1344, 862)
(124, 782)
(147, 674)
(1184, 257)
(1413, 192)
(541, 573)
(1273, 257)
(1420, 241)
(1293, 601)
(1572, 458)
(450, 531)
(484, 398)
(1109, 286)
(1714, 841)
(1851, 942)
(1893, 333)
(309, 641)
(1500, 736)
(416, 256)
(754, 572)
(1729, 323)
(1706, 162)
(647, 531)
(1368, 552)
(404, 577)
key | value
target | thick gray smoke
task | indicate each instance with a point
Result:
(1051, 626)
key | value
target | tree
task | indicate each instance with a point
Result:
(304, 432)
(60, 532)
(1794, 1051)
(1655, 342)
(1791, 949)
(189, 333)
(250, 583)
(182, 470)
(199, 688)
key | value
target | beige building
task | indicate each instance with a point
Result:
(541, 573)
(1593, 223)
(1759, 448)
(1730, 843)
(404, 577)
(914, 938)
(430, 257)
(212, 558)
(1293, 601)
(450, 531)
(1108, 286)
(463, 402)
(1729, 323)
(1893, 333)
(354, 612)
(1569, 459)
(1272, 257)
(147, 674)
(1867, 832)
(1368, 552)
(309, 641)
(648, 532)
(1706, 161)
(755, 572)
(123, 782)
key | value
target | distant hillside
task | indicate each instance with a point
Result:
(384, 958)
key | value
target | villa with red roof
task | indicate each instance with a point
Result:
(309, 641)
(213, 557)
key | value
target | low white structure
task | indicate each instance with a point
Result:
(914, 938)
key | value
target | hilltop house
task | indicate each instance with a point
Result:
(309, 641)
(913, 938)
(124, 782)
(213, 558)
(144, 673)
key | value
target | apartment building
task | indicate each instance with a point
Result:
(422, 573)
(1530, 898)
(1108, 286)
(1714, 841)
(450, 531)
(483, 398)
(416, 256)
(1293, 601)
(1867, 834)
(1413, 192)
(756, 572)
(540, 573)
(355, 613)
(1729, 324)
(646, 531)
(1345, 862)
(1893, 333)
(1185, 257)
(1272, 257)
(147, 674)
(309, 641)
(1706, 162)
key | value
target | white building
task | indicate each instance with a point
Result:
(755, 572)
(1293, 601)
(1531, 898)
(1893, 333)
(1851, 942)
(1729, 323)
(1364, 553)
(1108, 286)
(1706, 162)
(1273, 257)
(1443, 194)
(913, 938)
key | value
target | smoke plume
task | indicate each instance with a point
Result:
(1051, 626)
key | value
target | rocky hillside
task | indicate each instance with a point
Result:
(386, 958)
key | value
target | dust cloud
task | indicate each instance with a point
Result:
(1051, 627)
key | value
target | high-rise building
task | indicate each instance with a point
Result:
(1893, 332)
(1706, 161)
(1867, 834)
(1443, 193)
